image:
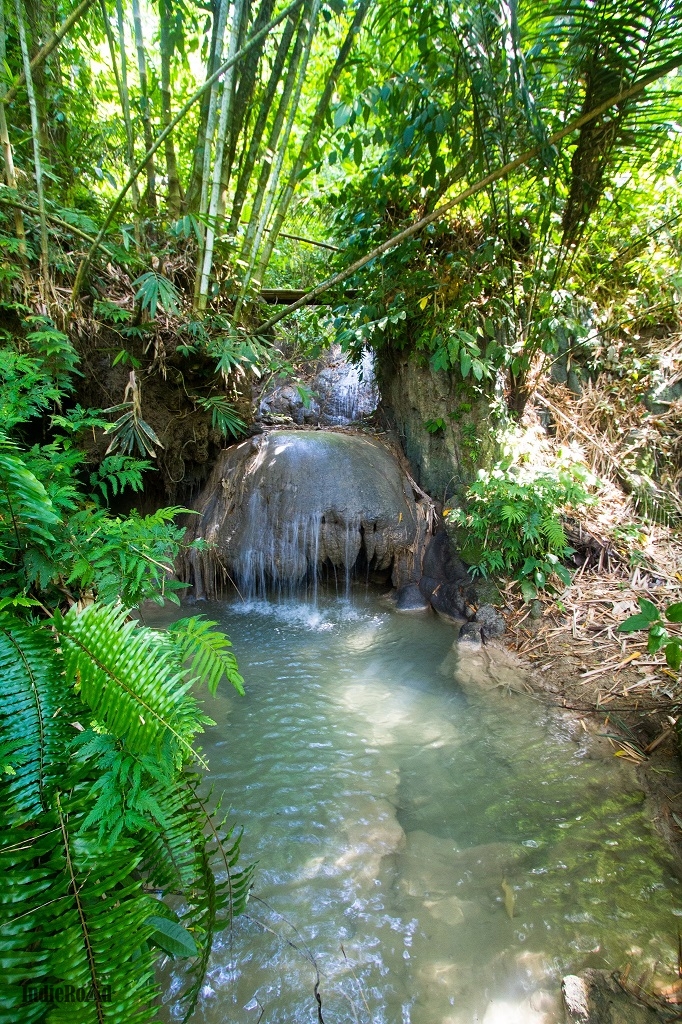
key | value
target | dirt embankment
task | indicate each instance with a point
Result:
(616, 690)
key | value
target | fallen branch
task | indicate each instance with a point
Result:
(55, 220)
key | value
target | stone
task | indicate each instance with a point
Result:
(411, 599)
(454, 601)
(279, 505)
(470, 634)
(490, 621)
(440, 560)
(446, 461)
(595, 997)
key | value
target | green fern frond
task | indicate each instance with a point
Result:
(36, 709)
(554, 533)
(196, 638)
(128, 680)
(27, 513)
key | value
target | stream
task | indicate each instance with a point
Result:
(440, 854)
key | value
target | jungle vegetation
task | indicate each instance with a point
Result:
(489, 186)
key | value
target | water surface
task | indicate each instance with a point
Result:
(439, 854)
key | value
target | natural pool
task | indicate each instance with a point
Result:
(443, 854)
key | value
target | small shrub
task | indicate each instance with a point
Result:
(512, 522)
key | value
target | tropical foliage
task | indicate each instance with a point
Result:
(496, 187)
(113, 853)
(512, 522)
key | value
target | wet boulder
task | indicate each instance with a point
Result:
(282, 505)
(490, 621)
(411, 599)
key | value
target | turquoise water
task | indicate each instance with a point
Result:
(436, 852)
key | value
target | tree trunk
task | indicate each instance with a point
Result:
(145, 106)
(310, 137)
(259, 127)
(174, 192)
(35, 132)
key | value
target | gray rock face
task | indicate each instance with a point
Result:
(279, 505)
(444, 462)
(343, 393)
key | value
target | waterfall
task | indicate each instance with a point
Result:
(286, 510)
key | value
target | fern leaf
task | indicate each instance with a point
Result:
(129, 680)
(28, 512)
(554, 533)
(197, 639)
(36, 708)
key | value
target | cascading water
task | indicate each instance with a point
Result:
(287, 506)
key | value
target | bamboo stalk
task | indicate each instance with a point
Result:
(10, 174)
(259, 128)
(244, 93)
(482, 183)
(45, 51)
(35, 133)
(208, 142)
(310, 137)
(122, 89)
(115, 206)
(269, 176)
(174, 197)
(225, 109)
(145, 105)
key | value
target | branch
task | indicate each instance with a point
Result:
(501, 172)
(85, 263)
(52, 44)
(55, 220)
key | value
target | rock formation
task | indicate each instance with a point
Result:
(281, 507)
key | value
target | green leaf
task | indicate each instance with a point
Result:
(634, 623)
(673, 612)
(528, 591)
(673, 654)
(171, 936)
(649, 610)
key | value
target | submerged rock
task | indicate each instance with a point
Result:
(281, 506)
(594, 997)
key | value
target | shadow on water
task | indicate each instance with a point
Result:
(444, 855)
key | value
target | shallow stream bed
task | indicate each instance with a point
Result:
(443, 854)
